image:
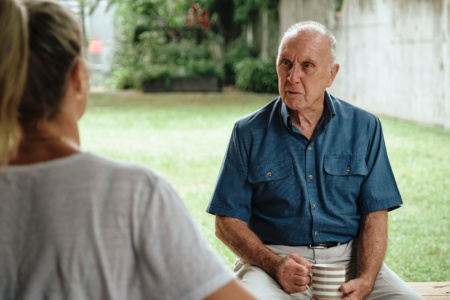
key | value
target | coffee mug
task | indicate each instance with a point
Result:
(327, 280)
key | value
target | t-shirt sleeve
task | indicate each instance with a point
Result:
(379, 189)
(176, 261)
(233, 193)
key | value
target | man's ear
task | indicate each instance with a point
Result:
(333, 72)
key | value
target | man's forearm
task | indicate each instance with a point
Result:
(372, 244)
(241, 240)
(291, 271)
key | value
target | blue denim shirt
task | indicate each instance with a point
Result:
(295, 191)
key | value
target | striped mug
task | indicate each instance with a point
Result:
(327, 280)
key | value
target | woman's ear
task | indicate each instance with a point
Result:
(80, 78)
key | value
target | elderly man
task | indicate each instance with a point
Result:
(306, 179)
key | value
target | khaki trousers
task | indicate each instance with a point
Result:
(388, 286)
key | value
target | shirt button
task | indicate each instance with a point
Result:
(269, 174)
(314, 206)
(348, 169)
(316, 233)
(309, 147)
(310, 177)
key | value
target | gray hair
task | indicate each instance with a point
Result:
(296, 28)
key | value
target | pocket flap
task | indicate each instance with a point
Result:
(268, 171)
(345, 165)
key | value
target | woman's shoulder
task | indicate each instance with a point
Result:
(121, 168)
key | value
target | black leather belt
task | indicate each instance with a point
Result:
(324, 245)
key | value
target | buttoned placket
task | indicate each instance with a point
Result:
(311, 180)
(311, 184)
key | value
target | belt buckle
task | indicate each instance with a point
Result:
(316, 247)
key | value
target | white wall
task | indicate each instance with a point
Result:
(99, 25)
(394, 57)
(293, 11)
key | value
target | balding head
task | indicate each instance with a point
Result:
(311, 26)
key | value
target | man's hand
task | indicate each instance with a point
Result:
(357, 289)
(293, 273)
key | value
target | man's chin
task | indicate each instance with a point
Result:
(293, 98)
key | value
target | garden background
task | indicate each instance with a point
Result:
(184, 135)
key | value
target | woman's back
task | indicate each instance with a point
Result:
(85, 227)
(74, 225)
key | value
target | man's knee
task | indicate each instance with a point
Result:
(390, 286)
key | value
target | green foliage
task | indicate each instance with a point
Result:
(150, 13)
(155, 42)
(237, 51)
(152, 59)
(257, 75)
(123, 78)
(248, 9)
(340, 5)
(183, 58)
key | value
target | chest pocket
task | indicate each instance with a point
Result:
(270, 171)
(342, 165)
(275, 192)
(344, 175)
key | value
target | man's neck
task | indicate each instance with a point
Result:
(306, 122)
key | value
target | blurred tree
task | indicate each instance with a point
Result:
(144, 25)
(238, 17)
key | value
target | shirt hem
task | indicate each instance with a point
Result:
(388, 203)
(214, 210)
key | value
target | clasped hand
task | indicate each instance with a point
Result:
(293, 273)
(293, 276)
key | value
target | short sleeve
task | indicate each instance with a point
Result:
(379, 189)
(176, 262)
(233, 193)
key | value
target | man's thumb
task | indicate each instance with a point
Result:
(301, 260)
(349, 287)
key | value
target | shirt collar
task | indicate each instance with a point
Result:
(328, 113)
(285, 116)
(330, 110)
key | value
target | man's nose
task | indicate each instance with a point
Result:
(294, 75)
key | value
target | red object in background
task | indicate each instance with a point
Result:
(96, 46)
(197, 15)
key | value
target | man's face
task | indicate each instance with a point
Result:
(304, 70)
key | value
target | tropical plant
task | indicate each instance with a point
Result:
(257, 75)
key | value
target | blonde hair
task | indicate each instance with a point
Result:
(13, 71)
(45, 46)
(55, 44)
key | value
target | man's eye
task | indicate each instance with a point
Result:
(285, 63)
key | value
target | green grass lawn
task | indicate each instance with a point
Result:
(184, 137)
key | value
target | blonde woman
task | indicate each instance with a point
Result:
(76, 225)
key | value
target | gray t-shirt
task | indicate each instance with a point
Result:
(86, 227)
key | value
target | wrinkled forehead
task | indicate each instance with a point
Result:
(306, 38)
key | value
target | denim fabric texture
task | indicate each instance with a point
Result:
(295, 191)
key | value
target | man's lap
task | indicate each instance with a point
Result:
(387, 285)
